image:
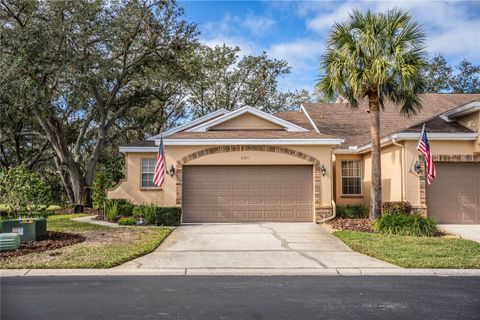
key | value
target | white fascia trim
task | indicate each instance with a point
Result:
(461, 111)
(138, 149)
(190, 124)
(287, 125)
(456, 136)
(191, 142)
(309, 118)
(226, 142)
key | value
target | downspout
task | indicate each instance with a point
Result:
(402, 161)
(334, 211)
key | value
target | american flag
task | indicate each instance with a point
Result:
(424, 148)
(159, 174)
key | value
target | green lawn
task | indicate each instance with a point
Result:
(104, 247)
(415, 252)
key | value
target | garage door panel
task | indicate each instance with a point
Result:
(255, 200)
(273, 215)
(468, 216)
(454, 196)
(247, 193)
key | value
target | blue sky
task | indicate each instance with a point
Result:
(296, 30)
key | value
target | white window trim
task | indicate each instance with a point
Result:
(142, 173)
(342, 176)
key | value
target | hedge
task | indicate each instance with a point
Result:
(397, 207)
(149, 214)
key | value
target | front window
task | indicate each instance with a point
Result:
(351, 178)
(148, 168)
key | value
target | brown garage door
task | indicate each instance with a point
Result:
(247, 193)
(454, 196)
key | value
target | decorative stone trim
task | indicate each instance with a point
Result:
(456, 158)
(453, 158)
(323, 213)
(319, 211)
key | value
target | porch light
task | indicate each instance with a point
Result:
(418, 169)
(171, 171)
(323, 170)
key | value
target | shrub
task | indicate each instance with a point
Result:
(406, 225)
(119, 201)
(23, 191)
(352, 212)
(168, 216)
(397, 207)
(99, 189)
(125, 209)
(110, 174)
(127, 221)
(146, 213)
(111, 210)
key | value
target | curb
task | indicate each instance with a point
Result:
(6, 273)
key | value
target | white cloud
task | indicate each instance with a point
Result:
(299, 53)
(303, 55)
(258, 24)
(451, 28)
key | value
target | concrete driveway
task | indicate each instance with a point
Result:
(465, 231)
(294, 248)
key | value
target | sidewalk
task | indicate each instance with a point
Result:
(92, 220)
(240, 272)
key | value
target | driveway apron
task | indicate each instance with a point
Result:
(298, 246)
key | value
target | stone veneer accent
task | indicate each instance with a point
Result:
(456, 158)
(320, 211)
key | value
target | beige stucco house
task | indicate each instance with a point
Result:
(246, 165)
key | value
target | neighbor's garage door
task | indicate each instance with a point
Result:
(247, 193)
(454, 196)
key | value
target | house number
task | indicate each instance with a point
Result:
(245, 157)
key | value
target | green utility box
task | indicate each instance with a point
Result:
(31, 229)
(9, 241)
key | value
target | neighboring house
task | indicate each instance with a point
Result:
(247, 165)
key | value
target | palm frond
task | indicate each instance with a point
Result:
(375, 53)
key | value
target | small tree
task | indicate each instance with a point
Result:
(23, 191)
(376, 57)
(109, 175)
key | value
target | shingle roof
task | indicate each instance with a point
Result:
(144, 143)
(439, 125)
(340, 121)
(296, 117)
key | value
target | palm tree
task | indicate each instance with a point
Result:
(375, 57)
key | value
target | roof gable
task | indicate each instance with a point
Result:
(281, 123)
(190, 124)
(247, 121)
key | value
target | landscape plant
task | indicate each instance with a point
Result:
(376, 58)
(127, 221)
(111, 210)
(400, 207)
(352, 211)
(406, 225)
(23, 192)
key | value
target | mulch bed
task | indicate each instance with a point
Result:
(362, 225)
(71, 211)
(55, 240)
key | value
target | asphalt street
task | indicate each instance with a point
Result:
(156, 297)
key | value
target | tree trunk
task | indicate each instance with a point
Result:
(65, 180)
(376, 188)
(77, 182)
